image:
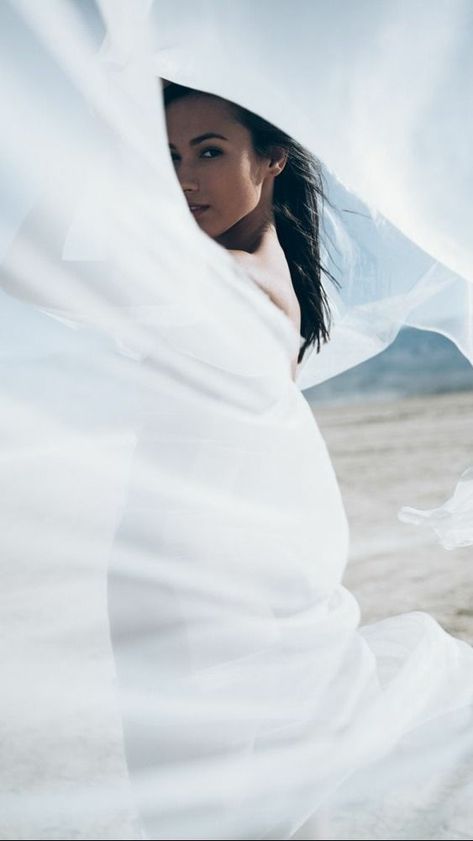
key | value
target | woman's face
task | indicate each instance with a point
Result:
(223, 173)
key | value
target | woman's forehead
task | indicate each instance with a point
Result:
(190, 116)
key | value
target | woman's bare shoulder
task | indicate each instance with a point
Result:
(273, 279)
(278, 287)
(240, 255)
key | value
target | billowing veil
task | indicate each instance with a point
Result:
(180, 656)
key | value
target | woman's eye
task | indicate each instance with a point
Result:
(211, 149)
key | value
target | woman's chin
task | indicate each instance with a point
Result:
(206, 228)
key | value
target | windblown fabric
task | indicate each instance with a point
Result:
(160, 465)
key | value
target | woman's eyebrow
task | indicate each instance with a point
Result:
(202, 137)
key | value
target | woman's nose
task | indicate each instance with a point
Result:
(187, 179)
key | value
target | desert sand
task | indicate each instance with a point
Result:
(411, 452)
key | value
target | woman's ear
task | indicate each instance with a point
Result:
(279, 156)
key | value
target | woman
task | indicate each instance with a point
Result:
(252, 700)
(170, 441)
(256, 191)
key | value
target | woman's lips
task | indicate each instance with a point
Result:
(198, 209)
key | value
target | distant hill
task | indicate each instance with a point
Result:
(417, 362)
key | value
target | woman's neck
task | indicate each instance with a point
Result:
(250, 233)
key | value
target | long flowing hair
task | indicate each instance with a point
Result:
(298, 199)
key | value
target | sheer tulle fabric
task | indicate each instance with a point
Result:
(155, 438)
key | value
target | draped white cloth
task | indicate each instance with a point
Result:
(152, 431)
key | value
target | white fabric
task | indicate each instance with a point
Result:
(151, 423)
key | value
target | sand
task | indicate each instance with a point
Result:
(407, 452)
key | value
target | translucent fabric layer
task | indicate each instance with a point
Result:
(161, 468)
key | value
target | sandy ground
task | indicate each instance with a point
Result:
(386, 455)
(408, 452)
